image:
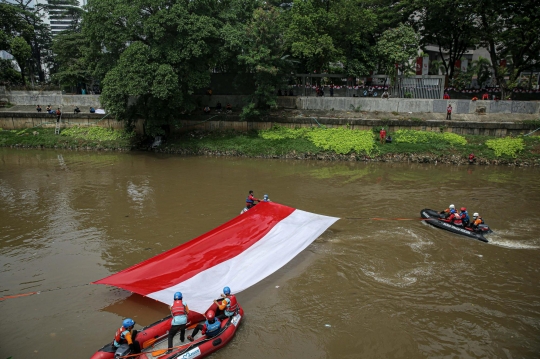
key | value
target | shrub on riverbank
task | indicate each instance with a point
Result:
(506, 146)
(338, 140)
(75, 137)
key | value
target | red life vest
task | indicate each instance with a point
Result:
(119, 337)
(178, 308)
(456, 219)
(233, 305)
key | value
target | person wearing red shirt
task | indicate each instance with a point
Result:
(250, 201)
(382, 134)
(485, 97)
(449, 113)
(446, 96)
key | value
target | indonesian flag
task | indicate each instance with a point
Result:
(236, 254)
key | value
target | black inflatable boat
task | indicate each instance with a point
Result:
(433, 217)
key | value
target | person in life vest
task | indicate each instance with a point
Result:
(266, 199)
(464, 216)
(179, 312)
(447, 211)
(250, 200)
(228, 305)
(455, 218)
(210, 328)
(477, 220)
(126, 335)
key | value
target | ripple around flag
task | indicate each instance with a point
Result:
(238, 254)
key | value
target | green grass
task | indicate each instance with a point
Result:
(95, 137)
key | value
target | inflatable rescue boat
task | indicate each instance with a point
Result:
(434, 218)
(153, 339)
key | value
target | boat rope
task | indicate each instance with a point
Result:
(41, 291)
(530, 133)
(392, 219)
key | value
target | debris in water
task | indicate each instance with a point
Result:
(277, 286)
(327, 325)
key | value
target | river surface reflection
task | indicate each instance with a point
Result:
(364, 289)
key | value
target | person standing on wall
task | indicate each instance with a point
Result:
(449, 113)
(382, 135)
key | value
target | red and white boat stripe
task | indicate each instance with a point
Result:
(237, 254)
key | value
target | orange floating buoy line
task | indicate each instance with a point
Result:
(41, 291)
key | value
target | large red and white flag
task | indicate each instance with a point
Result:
(236, 254)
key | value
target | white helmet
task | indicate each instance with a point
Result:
(475, 214)
(452, 206)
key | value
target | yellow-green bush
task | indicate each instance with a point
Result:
(506, 146)
(339, 140)
(412, 136)
(96, 133)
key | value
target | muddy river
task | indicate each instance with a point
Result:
(365, 289)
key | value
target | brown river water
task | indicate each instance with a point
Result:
(364, 289)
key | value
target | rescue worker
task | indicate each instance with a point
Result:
(464, 216)
(179, 312)
(455, 218)
(211, 327)
(447, 211)
(266, 199)
(126, 335)
(477, 220)
(228, 305)
(250, 200)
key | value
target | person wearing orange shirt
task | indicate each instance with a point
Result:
(477, 220)
(228, 305)
(126, 335)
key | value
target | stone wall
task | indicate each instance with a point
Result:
(18, 120)
(401, 105)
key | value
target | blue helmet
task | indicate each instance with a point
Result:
(178, 296)
(226, 290)
(452, 211)
(265, 197)
(128, 322)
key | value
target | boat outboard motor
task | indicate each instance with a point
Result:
(122, 350)
(483, 228)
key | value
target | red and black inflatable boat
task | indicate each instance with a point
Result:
(433, 218)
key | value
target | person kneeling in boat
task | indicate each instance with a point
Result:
(126, 335)
(455, 218)
(477, 220)
(228, 305)
(211, 327)
(250, 200)
(447, 212)
(464, 216)
(179, 312)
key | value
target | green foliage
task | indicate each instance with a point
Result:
(506, 146)
(7, 73)
(70, 49)
(96, 133)
(338, 140)
(411, 136)
(397, 46)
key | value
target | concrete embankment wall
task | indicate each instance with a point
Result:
(398, 105)
(53, 98)
(222, 122)
(18, 120)
(498, 129)
(401, 105)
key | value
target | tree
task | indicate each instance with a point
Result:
(21, 51)
(509, 29)
(154, 54)
(70, 49)
(448, 24)
(397, 46)
(264, 55)
(8, 74)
